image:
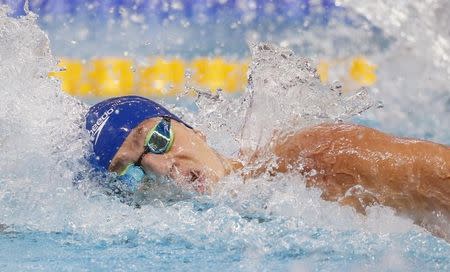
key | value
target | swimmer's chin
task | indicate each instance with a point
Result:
(201, 186)
(200, 183)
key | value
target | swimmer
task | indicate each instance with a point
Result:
(352, 164)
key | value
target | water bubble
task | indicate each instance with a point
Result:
(379, 104)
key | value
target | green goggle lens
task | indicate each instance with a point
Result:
(159, 140)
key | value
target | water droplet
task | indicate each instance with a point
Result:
(379, 104)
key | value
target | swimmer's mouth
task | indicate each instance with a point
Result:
(195, 176)
(198, 180)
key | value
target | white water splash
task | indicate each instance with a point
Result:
(414, 70)
(286, 94)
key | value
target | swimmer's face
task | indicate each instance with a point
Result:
(190, 162)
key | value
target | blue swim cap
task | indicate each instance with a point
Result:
(111, 121)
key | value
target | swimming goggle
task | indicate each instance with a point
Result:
(159, 140)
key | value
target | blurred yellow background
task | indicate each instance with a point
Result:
(114, 76)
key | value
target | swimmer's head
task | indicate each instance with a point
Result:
(111, 121)
(119, 128)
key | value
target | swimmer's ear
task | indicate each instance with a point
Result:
(199, 133)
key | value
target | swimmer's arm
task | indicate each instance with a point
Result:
(360, 166)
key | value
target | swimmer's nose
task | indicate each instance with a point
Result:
(158, 164)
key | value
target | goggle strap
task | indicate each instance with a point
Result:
(171, 140)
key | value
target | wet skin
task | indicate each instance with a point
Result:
(353, 165)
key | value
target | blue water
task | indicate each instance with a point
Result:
(310, 248)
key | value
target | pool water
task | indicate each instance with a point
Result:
(282, 245)
(265, 224)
